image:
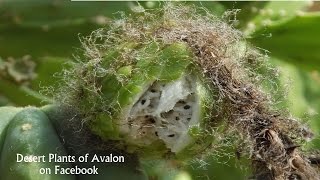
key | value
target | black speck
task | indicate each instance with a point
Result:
(181, 102)
(177, 118)
(171, 135)
(153, 90)
(156, 133)
(152, 120)
(143, 101)
(189, 119)
(184, 39)
(186, 107)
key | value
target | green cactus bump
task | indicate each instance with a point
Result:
(30, 134)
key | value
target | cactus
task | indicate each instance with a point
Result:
(7, 113)
(37, 131)
(137, 76)
(303, 24)
(30, 133)
(52, 25)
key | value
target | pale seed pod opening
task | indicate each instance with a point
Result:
(162, 108)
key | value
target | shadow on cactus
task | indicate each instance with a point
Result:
(175, 83)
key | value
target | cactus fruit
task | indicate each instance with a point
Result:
(159, 106)
(160, 83)
(148, 95)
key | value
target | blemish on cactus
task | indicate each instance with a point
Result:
(26, 127)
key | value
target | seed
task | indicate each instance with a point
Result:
(143, 101)
(152, 120)
(186, 107)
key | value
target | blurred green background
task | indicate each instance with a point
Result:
(38, 37)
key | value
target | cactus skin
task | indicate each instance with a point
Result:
(30, 133)
(289, 30)
(6, 114)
